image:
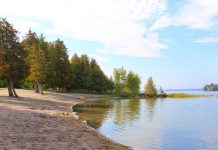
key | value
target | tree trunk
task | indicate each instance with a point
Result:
(9, 89)
(13, 90)
(36, 87)
(40, 87)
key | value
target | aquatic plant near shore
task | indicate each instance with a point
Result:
(185, 95)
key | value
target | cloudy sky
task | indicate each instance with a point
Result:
(175, 42)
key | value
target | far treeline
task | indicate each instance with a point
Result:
(211, 87)
(35, 63)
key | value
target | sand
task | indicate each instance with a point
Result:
(37, 122)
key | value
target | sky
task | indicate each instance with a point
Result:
(175, 42)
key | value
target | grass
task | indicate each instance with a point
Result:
(184, 95)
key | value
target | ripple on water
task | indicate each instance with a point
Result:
(180, 124)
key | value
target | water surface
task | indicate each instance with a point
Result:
(155, 124)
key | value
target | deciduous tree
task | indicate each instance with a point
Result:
(119, 80)
(150, 88)
(133, 83)
(36, 58)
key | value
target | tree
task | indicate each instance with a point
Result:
(126, 84)
(133, 83)
(84, 72)
(87, 75)
(75, 67)
(12, 65)
(30, 40)
(150, 88)
(162, 93)
(97, 77)
(99, 81)
(119, 80)
(80, 72)
(36, 58)
(59, 71)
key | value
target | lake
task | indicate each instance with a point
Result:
(155, 124)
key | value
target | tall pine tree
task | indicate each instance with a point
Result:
(59, 69)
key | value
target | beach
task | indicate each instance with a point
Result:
(36, 121)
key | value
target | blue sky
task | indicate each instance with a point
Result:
(175, 42)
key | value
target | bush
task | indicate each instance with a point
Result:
(2, 84)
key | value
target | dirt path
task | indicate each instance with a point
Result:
(45, 122)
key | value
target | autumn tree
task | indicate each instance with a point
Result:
(30, 40)
(12, 65)
(150, 88)
(36, 58)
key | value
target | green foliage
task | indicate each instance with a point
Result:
(59, 69)
(150, 88)
(99, 81)
(119, 80)
(133, 83)
(81, 72)
(26, 85)
(2, 84)
(36, 48)
(38, 63)
(126, 84)
(75, 67)
(87, 76)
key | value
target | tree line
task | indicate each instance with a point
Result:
(35, 62)
(128, 84)
(39, 64)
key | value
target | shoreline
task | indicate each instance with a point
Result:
(47, 121)
(94, 130)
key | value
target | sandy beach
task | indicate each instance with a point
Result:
(36, 121)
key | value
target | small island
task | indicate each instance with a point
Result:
(211, 87)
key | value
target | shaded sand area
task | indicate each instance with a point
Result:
(46, 122)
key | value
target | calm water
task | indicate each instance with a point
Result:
(156, 124)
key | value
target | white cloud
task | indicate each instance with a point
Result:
(122, 26)
(207, 40)
(100, 59)
(162, 22)
(198, 14)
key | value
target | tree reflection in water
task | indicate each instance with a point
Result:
(150, 105)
